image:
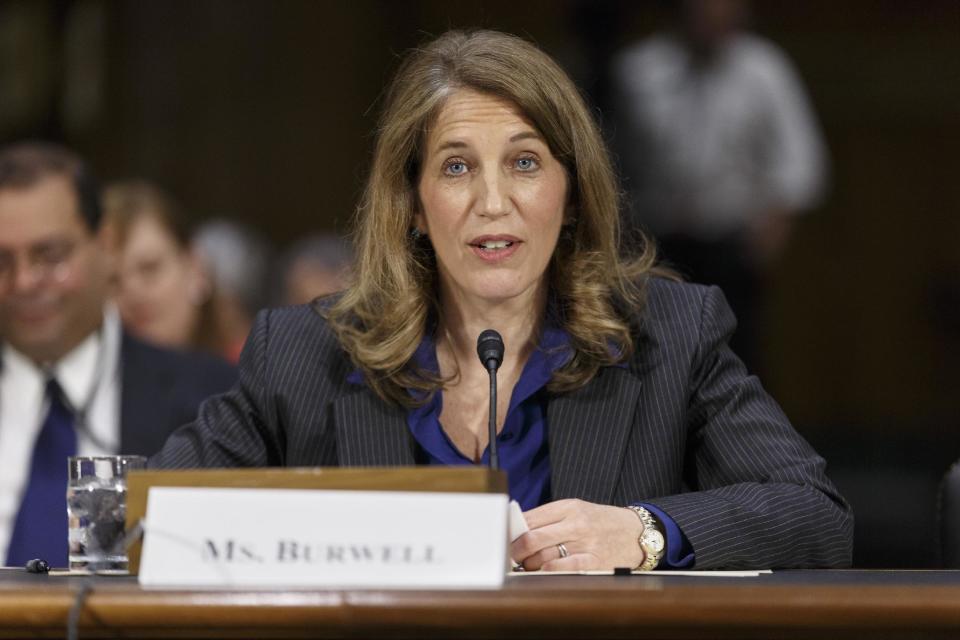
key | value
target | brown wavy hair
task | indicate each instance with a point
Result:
(381, 319)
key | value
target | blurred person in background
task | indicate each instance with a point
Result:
(237, 259)
(72, 382)
(162, 290)
(315, 266)
(720, 151)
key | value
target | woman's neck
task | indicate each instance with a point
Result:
(517, 320)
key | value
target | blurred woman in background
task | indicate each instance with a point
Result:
(162, 291)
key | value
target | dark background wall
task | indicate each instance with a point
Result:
(263, 111)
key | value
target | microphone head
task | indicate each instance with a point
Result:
(37, 565)
(490, 349)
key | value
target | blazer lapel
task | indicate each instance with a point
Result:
(588, 431)
(371, 433)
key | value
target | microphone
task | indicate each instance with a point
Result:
(490, 351)
(37, 565)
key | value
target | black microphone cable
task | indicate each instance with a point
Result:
(73, 620)
(86, 587)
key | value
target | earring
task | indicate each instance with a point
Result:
(415, 234)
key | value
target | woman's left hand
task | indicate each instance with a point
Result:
(595, 537)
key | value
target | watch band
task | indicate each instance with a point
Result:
(651, 541)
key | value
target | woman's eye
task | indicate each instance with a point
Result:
(456, 168)
(526, 164)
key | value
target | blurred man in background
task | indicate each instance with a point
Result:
(71, 382)
(720, 150)
(315, 266)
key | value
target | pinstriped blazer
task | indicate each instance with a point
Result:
(682, 427)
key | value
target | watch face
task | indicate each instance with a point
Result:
(653, 540)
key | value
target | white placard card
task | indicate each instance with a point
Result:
(318, 538)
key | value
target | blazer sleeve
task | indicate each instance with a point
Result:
(235, 429)
(760, 497)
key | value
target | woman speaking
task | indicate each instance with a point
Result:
(631, 434)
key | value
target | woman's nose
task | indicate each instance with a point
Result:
(494, 197)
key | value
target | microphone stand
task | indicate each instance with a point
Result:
(492, 423)
(490, 350)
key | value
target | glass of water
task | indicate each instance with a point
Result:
(96, 511)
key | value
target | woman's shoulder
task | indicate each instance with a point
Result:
(673, 300)
(673, 317)
(295, 349)
(300, 329)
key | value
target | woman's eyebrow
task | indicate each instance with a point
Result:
(451, 144)
(526, 135)
(459, 144)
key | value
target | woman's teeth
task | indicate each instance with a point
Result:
(495, 244)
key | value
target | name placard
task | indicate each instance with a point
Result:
(320, 538)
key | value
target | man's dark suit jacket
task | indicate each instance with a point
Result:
(682, 427)
(161, 389)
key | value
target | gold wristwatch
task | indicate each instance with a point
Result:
(651, 541)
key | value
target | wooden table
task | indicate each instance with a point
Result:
(790, 604)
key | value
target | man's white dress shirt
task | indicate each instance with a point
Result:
(89, 377)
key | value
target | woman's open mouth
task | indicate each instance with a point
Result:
(495, 248)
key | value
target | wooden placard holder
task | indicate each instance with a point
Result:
(439, 479)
